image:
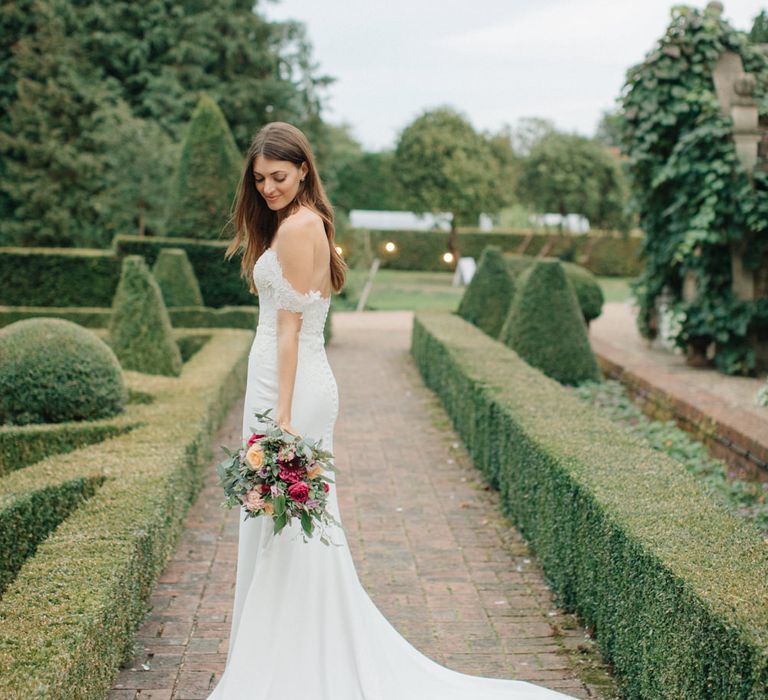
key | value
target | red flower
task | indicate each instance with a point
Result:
(254, 437)
(299, 491)
(325, 486)
(291, 476)
(265, 488)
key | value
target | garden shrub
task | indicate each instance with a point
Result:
(176, 278)
(27, 519)
(23, 445)
(52, 370)
(588, 291)
(546, 328)
(140, 328)
(672, 583)
(208, 174)
(68, 619)
(486, 299)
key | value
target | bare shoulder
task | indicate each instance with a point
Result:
(301, 228)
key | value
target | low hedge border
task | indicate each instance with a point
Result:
(22, 445)
(68, 619)
(26, 519)
(673, 584)
(245, 317)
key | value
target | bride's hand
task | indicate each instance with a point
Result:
(286, 426)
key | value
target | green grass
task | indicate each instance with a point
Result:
(406, 290)
(615, 288)
(415, 290)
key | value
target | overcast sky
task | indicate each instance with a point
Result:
(493, 60)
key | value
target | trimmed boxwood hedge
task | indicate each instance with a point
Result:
(22, 445)
(26, 519)
(44, 276)
(674, 585)
(67, 621)
(181, 316)
(606, 255)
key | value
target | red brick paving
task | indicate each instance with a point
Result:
(437, 557)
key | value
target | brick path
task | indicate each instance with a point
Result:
(439, 560)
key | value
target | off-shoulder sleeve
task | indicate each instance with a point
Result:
(286, 297)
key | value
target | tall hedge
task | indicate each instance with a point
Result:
(486, 299)
(176, 278)
(546, 328)
(207, 176)
(140, 329)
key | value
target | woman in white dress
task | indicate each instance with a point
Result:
(303, 627)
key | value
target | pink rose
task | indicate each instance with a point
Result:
(253, 501)
(299, 491)
(325, 486)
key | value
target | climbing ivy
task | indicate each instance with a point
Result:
(694, 197)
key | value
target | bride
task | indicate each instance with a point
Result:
(303, 627)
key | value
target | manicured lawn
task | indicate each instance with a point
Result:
(615, 288)
(406, 289)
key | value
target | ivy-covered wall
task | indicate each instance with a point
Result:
(695, 199)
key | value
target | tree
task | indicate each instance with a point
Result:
(609, 128)
(335, 150)
(94, 96)
(165, 54)
(207, 177)
(568, 173)
(443, 164)
(759, 32)
(528, 131)
(368, 182)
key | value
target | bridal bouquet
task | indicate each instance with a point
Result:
(280, 475)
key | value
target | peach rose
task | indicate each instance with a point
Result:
(269, 508)
(255, 456)
(315, 471)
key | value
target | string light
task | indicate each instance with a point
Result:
(448, 257)
(390, 247)
(339, 249)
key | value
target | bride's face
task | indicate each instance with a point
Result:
(278, 181)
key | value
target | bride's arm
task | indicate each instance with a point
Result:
(296, 256)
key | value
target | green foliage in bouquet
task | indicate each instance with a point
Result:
(588, 291)
(487, 298)
(208, 174)
(697, 204)
(546, 328)
(52, 370)
(176, 278)
(140, 328)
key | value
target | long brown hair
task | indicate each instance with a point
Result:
(255, 223)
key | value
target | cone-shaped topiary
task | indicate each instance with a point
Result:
(207, 176)
(545, 325)
(140, 328)
(588, 290)
(52, 370)
(176, 278)
(487, 297)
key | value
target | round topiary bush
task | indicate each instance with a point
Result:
(52, 370)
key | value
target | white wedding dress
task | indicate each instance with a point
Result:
(303, 626)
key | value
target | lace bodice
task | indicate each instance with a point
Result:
(275, 292)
